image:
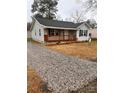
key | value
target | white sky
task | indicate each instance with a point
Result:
(65, 8)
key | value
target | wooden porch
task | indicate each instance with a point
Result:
(56, 35)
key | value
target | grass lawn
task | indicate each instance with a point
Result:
(82, 50)
(35, 83)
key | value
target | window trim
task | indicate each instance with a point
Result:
(39, 32)
(35, 33)
(53, 32)
(83, 33)
(80, 33)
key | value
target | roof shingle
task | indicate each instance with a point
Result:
(56, 23)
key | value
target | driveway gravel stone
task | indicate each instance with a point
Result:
(62, 73)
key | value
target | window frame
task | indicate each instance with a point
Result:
(53, 32)
(83, 33)
(80, 33)
(35, 33)
(39, 32)
(56, 33)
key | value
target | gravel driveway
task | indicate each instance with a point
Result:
(62, 73)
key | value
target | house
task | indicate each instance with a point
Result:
(93, 32)
(28, 34)
(46, 30)
(28, 30)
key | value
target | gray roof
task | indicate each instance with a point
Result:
(56, 23)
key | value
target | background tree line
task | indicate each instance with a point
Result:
(48, 9)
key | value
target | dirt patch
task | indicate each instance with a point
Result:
(35, 83)
(83, 50)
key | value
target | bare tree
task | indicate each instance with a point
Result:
(78, 16)
(58, 17)
(91, 5)
(88, 6)
(68, 19)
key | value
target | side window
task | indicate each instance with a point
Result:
(35, 33)
(39, 32)
(81, 33)
(85, 32)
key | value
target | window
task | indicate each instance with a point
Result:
(35, 33)
(83, 32)
(39, 32)
(53, 32)
(56, 33)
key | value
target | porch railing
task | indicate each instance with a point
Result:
(59, 38)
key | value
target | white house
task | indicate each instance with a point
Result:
(28, 34)
(93, 32)
(45, 30)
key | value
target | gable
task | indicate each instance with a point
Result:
(83, 26)
(36, 24)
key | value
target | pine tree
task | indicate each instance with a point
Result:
(46, 8)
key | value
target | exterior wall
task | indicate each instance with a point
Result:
(28, 34)
(93, 33)
(82, 38)
(36, 28)
(44, 31)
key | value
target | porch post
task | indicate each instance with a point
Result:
(59, 34)
(69, 35)
(46, 37)
(63, 35)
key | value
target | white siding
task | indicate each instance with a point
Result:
(35, 29)
(28, 34)
(82, 38)
(93, 33)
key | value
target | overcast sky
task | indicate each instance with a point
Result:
(65, 8)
